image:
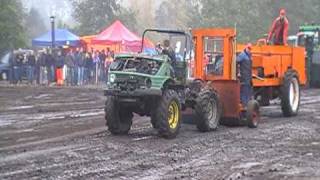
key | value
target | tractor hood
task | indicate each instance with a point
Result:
(141, 55)
(137, 64)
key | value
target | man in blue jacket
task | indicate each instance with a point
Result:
(244, 62)
(31, 62)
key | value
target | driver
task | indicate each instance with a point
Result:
(167, 50)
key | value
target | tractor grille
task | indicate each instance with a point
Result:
(129, 83)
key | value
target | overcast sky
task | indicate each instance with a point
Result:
(62, 9)
(59, 8)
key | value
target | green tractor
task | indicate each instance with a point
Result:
(308, 37)
(153, 86)
(158, 86)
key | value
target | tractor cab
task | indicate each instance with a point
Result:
(308, 37)
(215, 66)
(174, 46)
(308, 32)
(215, 54)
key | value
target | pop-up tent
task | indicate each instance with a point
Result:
(63, 37)
(119, 35)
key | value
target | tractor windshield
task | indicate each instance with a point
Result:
(172, 43)
(213, 54)
(302, 38)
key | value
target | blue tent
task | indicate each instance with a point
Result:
(62, 37)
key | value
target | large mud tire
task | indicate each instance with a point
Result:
(118, 120)
(207, 111)
(290, 94)
(167, 115)
(253, 114)
(153, 122)
(154, 118)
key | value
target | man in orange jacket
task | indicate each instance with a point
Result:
(279, 29)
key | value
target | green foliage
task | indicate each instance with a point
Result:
(95, 15)
(11, 25)
(177, 14)
(128, 17)
(251, 17)
(60, 24)
(254, 18)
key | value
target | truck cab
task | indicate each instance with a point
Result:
(308, 37)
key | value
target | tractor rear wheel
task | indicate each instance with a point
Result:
(207, 110)
(253, 114)
(290, 94)
(167, 115)
(153, 122)
(118, 120)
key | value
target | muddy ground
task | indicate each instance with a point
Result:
(60, 133)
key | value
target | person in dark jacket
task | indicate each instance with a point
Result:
(37, 69)
(70, 63)
(102, 58)
(41, 63)
(88, 67)
(80, 60)
(168, 50)
(96, 63)
(17, 67)
(31, 63)
(50, 63)
(11, 59)
(43, 71)
(76, 66)
(15, 70)
(245, 63)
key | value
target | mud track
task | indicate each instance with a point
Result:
(60, 133)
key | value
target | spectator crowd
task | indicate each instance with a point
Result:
(72, 67)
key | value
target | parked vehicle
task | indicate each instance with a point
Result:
(5, 68)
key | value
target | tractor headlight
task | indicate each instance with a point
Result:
(112, 78)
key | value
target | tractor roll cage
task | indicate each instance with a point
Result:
(165, 31)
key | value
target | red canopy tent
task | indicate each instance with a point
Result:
(117, 34)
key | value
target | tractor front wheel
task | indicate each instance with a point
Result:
(118, 120)
(167, 115)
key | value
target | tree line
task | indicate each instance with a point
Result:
(251, 17)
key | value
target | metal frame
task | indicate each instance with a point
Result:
(165, 31)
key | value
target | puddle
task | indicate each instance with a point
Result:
(4, 122)
(87, 114)
(42, 96)
(27, 139)
(246, 165)
(72, 114)
(20, 107)
(142, 138)
(315, 143)
(27, 130)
